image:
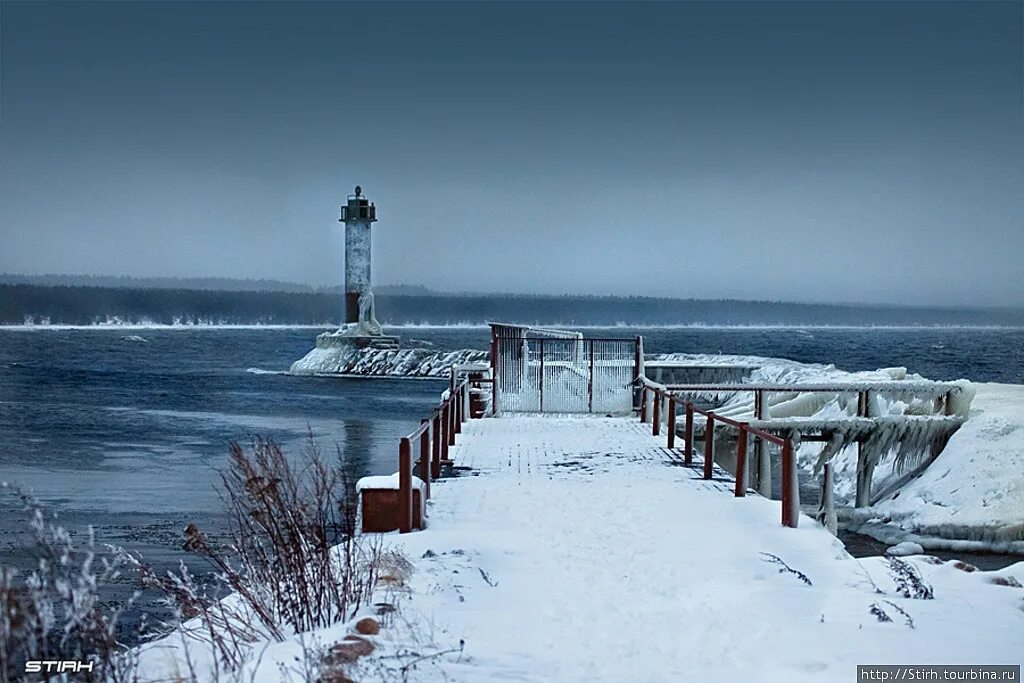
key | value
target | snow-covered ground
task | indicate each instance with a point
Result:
(576, 549)
(579, 553)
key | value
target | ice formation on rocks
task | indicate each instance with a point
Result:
(340, 360)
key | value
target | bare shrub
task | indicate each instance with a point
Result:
(908, 580)
(291, 559)
(291, 563)
(785, 568)
(54, 611)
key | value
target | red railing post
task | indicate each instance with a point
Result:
(457, 400)
(446, 425)
(790, 492)
(450, 417)
(709, 445)
(741, 463)
(671, 418)
(425, 457)
(404, 486)
(643, 404)
(688, 447)
(435, 444)
(656, 421)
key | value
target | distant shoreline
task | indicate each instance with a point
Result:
(27, 306)
(118, 327)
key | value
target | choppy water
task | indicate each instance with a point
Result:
(127, 435)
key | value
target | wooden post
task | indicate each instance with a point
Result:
(451, 422)
(425, 457)
(709, 446)
(862, 497)
(404, 486)
(656, 421)
(457, 406)
(790, 487)
(826, 507)
(763, 457)
(688, 446)
(435, 443)
(643, 404)
(445, 427)
(741, 463)
(671, 421)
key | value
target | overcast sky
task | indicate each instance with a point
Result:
(829, 151)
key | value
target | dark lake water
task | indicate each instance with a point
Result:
(128, 436)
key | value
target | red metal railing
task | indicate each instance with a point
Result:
(659, 395)
(434, 436)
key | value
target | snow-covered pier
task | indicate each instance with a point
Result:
(614, 547)
(608, 559)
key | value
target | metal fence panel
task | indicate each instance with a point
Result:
(564, 375)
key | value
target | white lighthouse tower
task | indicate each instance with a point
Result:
(358, 215)
(339, 352)
(360, 326)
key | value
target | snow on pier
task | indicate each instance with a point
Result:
(577, 548)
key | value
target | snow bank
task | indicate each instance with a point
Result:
(974, 490)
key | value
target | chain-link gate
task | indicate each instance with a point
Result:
(562, 374)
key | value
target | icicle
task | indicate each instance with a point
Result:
(826, 514)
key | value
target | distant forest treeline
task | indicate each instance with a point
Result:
(76, 305)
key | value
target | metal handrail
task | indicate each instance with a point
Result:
(435, 434)
(937, 387)
(662, 394)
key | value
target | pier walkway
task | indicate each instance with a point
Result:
(578, 548)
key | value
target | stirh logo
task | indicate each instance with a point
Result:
(35, 666)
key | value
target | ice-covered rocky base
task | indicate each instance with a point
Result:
(332, 358)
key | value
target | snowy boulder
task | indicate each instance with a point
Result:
(905, 548)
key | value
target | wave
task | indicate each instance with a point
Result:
(119, 327)
(261, 371)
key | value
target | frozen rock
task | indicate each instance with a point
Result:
(905, 548)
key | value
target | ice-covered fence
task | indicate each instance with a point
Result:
(657, 403)
(931, 413)
(541, 370)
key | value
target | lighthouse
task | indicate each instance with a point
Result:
(360, 326)
(358, 214)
